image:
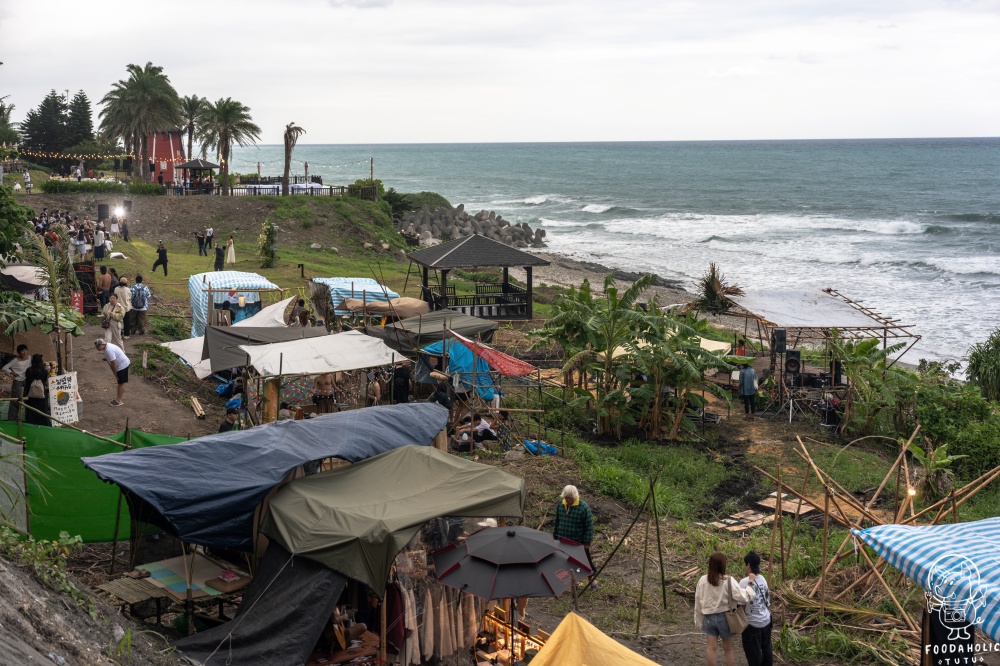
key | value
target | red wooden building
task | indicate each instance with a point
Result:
(165, 150)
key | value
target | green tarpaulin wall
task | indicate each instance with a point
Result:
(74, 499)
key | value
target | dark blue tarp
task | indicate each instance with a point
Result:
(206, 491)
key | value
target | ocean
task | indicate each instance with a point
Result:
(910, 227)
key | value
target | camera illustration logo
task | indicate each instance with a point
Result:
(955, 591)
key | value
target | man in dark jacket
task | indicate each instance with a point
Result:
(161, 258)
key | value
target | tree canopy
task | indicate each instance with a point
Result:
(138, 106)
(224, 123)
(14, 224)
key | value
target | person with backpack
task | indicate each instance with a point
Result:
(140, 305)
(36, 392)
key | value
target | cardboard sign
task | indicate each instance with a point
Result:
(62, 398)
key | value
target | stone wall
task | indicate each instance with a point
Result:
(433, 226)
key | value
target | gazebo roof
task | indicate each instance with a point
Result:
(194, 165)
(473, 251)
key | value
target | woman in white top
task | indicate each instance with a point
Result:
(115, 228)
(711, 601)
(230, 252)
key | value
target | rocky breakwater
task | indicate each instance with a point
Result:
(431, 227)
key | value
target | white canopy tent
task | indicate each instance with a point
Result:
(791, 308)
(191, 350)
(352, 350)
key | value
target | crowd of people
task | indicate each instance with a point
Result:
(85, 235)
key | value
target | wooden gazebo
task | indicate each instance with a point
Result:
(491, 301)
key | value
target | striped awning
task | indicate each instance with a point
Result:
(247, 284)
(958, 564)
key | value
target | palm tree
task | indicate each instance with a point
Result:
(292, 134)
(191, 109)
(715, 291)
(138, 106)
(224, 123)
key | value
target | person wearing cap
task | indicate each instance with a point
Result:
(232, 420)
(119, 363)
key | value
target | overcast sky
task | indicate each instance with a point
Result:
(414, 71)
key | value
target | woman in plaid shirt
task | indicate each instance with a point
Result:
(574, 521)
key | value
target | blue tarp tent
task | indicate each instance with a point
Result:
(958, 564)
(206, 491)
(220, 282)
(460, 360)
(366, 289)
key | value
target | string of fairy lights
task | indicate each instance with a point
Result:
(242, 162)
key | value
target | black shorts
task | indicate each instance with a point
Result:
(123, 375)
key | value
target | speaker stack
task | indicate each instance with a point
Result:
(779, 338)
(103, 212)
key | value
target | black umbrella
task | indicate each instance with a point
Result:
(511, 562)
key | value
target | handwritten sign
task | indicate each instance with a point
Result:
(62, 398)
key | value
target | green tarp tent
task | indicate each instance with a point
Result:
(356, 519)
(63, 494)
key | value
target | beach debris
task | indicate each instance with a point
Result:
(442, 223)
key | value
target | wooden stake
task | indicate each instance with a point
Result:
(826, 532)
(659, 546)
(781, 527)
(774, 526)
(892, 469)
(906, 616)
(798, 512)
(642, 578)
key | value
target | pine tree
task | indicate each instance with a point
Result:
(80, 122)
(44, 128)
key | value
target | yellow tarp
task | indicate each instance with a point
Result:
(576, 642)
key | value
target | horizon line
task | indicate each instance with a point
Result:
(632, 141)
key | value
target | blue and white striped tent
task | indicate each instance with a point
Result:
(199, 284)
(958, 564)
(367, 289)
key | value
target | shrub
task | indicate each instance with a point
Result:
(143, 188)
(137, 187)
(73, 187)
(267, 245)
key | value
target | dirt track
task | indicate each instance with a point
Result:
(146, 406)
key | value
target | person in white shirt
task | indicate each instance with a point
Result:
(17, 366)
(209, 235)
(119, 363)
(757, 636)
(711, 602)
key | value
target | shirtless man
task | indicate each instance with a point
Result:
(323, 393)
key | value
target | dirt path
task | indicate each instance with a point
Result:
(146, 406)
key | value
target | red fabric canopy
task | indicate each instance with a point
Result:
(506, 364)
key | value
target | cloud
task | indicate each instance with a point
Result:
(360, 4)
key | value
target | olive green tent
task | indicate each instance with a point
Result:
(356, 519)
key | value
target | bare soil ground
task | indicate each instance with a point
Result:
(39, 627)
(146, 407)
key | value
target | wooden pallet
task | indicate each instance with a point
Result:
(127, 591)
(789, 505)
